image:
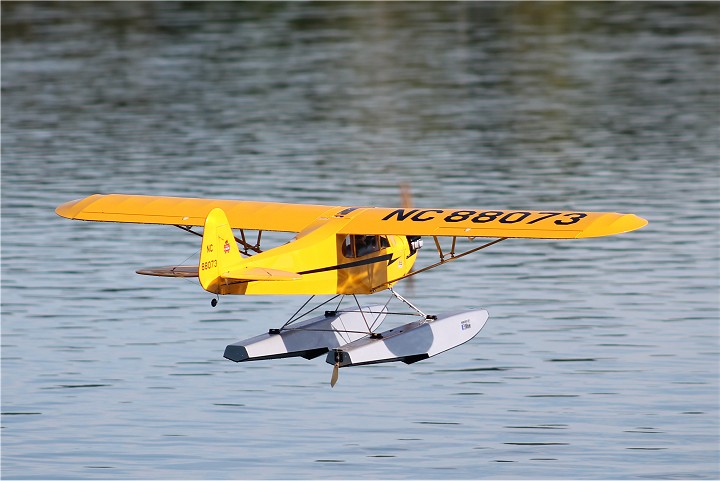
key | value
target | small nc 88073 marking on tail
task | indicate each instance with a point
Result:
(211, 264)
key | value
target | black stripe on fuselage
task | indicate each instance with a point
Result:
(364, 262)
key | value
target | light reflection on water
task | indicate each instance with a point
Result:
(600, 356)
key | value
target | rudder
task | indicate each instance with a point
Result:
(219, 252)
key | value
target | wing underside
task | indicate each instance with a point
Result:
(283, 217)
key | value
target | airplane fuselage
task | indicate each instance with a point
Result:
(326, 262)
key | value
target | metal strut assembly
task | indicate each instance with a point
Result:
(401, 298)
(370, 324)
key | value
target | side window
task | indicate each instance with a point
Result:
(365, 244)
(347, 247)
(362, 245)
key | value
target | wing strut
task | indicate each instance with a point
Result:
(444, 259)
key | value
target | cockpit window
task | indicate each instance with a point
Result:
(347, 247)
(362, 245)
(365, 244)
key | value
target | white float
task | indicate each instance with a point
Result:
(311, 338)
(411, 342)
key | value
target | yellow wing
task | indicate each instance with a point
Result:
(492, 223)
(145, 209)
(275, 216)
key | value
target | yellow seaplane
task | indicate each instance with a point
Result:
(340, 251)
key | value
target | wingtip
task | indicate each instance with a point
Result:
(72, 209)
(613, 224)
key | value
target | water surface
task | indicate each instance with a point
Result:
(600, 358)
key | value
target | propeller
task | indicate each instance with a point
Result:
(406, 195)
(406, 200)
(335, 374)
(336, 367)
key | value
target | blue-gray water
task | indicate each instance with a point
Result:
(600, 358)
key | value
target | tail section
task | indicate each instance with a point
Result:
(219, 252)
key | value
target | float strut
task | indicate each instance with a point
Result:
(401, 298)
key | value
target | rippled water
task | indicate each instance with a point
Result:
(600, 358)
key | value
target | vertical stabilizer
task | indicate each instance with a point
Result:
(219, 252)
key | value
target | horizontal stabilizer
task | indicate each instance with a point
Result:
(412, 342)
(260, 274)
(170, 271)
(310, 338)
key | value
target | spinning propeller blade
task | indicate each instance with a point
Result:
(335, 373)
(406, 195)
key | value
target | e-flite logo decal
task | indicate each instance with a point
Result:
(465, 325)
(226, 247)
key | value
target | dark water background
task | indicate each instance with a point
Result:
(600, 358)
